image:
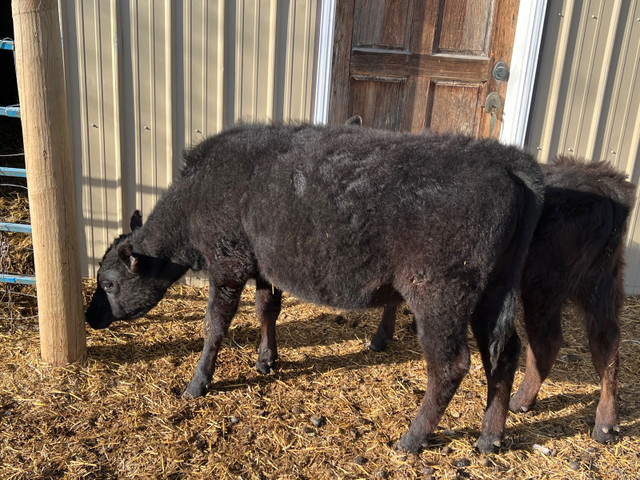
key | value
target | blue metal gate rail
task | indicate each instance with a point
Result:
(6, 44)
(13, 111)
(15, 278)
(10, 111)
(13, 172)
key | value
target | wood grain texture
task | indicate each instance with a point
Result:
(503, 32)
(415, 104)
(372, 95)
(342, 37)
(395, 32)
(50, 178)
(454, 107)
(381, 24)
(445, 67)
(450, 67)
(424, 16)
(463, 27)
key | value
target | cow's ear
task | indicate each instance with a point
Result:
(130, 259)
(136, 220)
(134, 263)
(356, 121)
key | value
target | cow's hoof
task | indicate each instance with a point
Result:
(266, 360)
(377, 344)
(408, 443)
(263, 367)
(488, 444)
(517, 405)
(606, 434)
(194, 390)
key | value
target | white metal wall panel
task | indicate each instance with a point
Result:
(148, 77)
(91, 63)
(148, 102)
(622, 135)
(254, 59)
(201, 73)
(300, 60)
(587, 94)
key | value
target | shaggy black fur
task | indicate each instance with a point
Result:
(577, 252)
(350, 218)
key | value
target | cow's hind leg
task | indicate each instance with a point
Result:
(543, 323)
(601, 309)
(443, 342)
(224, 298)
(268, 303)
(497, 300)
(386, 327)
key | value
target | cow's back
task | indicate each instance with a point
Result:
(335, 214)
(581, 229)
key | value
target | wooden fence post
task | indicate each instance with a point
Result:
(43, 110)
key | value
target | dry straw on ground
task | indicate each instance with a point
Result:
(330, 410)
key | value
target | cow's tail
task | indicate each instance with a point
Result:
(531, 183)
(622, 199)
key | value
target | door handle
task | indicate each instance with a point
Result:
(492, 104)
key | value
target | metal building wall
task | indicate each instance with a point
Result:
(587, 94)
(146, 78)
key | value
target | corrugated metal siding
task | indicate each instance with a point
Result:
(148, 77)
(94, 89)
(587, 94)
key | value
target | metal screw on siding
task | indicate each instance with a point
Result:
(570, 149)
(613, 152)
(198, 130)
(146, 127)
(560, 14)
(594, 17)
(94, 125)
(538, 148)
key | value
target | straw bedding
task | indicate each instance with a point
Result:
(331, 409)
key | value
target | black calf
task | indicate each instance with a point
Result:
(350, 218)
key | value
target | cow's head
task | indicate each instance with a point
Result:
(129, 283)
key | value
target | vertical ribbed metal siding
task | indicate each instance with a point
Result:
(200, 78)
(587, 94)
(91, 62)
(148, 77)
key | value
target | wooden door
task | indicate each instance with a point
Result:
(415, 64)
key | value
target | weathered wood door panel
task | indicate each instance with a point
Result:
(415, 64)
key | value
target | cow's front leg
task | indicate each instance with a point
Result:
(222, 306)
(268, 303)
(444, 345)
(387, 326)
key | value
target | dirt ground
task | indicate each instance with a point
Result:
(331, 409)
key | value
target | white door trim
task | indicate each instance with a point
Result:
(325, 56)
(522, 71)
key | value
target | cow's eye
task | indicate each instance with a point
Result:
(107, 286)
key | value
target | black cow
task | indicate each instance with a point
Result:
(350, 218)
(577, 253)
